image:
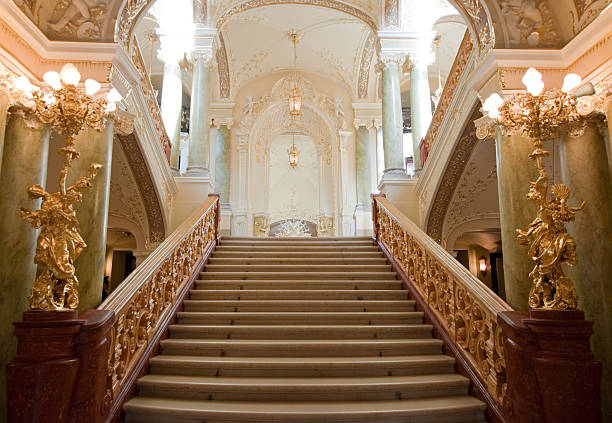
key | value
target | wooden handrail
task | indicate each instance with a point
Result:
(146, 298)
(466, 308)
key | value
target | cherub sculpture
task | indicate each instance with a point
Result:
(59, 242)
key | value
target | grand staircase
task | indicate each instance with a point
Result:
(301, 330)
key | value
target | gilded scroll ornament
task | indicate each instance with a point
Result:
(67, 109)
(540, 114)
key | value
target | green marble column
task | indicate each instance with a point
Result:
(514, 172)
(3, 116)
(362, 163)
(392, 115)
(199, 123)
(222, 163)
(420, 107)
(24, 163)
(95, 147)
(172, 98)
(585, 170)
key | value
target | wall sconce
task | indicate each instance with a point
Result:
(482, 265)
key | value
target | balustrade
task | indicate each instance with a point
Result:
(465, 307)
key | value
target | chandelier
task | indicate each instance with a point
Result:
(293, 153)
(295, 97)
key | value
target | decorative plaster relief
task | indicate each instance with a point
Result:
(451, 176)
(157, 230)
(586, 12)
(529, 23)
(70, 20)
(364, 67)
(223, 69)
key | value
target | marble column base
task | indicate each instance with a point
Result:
(192, 192)
(400, 189)
(197, 171)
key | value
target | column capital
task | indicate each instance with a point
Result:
(220, 121)
(203, 40)
(377, 123)
(367, 123)
(392, 59)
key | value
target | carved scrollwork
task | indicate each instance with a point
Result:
(452, 295)
(147, 296)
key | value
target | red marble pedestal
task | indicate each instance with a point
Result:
(59, 372)
(552, 375)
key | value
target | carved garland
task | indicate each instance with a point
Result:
(364, 67)
(148, 294)
(469, 321)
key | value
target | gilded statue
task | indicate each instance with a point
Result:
(550, 245)
(59, 243)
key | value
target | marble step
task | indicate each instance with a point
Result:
(269, 261)
(287, 243)
(296, 239)
(299, 248)
(298, 305)
(300, 331)
(300, 318)
(298, 268)
(287, 254)
(300, 348)
(295, 294)
(456, 409)
(305, 275)
(384, 388)
(292, 284)
(302, 366)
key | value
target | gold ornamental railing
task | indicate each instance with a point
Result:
(145, 300)
(465, 307)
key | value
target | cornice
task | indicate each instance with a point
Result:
(26, 50)
(584, 54)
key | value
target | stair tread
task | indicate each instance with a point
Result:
(304, 381)
(304, 360)
(296, 408)
(287, 342)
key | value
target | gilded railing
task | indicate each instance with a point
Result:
(146, 298)
(465, 306)
(454, 76)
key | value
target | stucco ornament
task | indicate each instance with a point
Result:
(530, 23)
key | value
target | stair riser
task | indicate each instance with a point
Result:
(290, 244)
(354, 295)
(297, 285)
(366, 370)
(185, 332)
(307, 276)
(236, 306)
(297, 248)
(222, 261)
(272, 319)
(311, 255)
(268, 392)
(294, 268)
(276, 350)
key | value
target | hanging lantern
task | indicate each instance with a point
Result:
(295, 97)
(293, 154)
(295, 102)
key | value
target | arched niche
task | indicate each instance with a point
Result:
(274, 122)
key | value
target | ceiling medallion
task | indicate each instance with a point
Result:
(295, 97)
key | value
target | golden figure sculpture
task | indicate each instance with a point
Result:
(59, 243)
(67, 109)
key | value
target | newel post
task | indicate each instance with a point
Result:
(217, 215)
(60, 370)
(375, 215)
(552, 375)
